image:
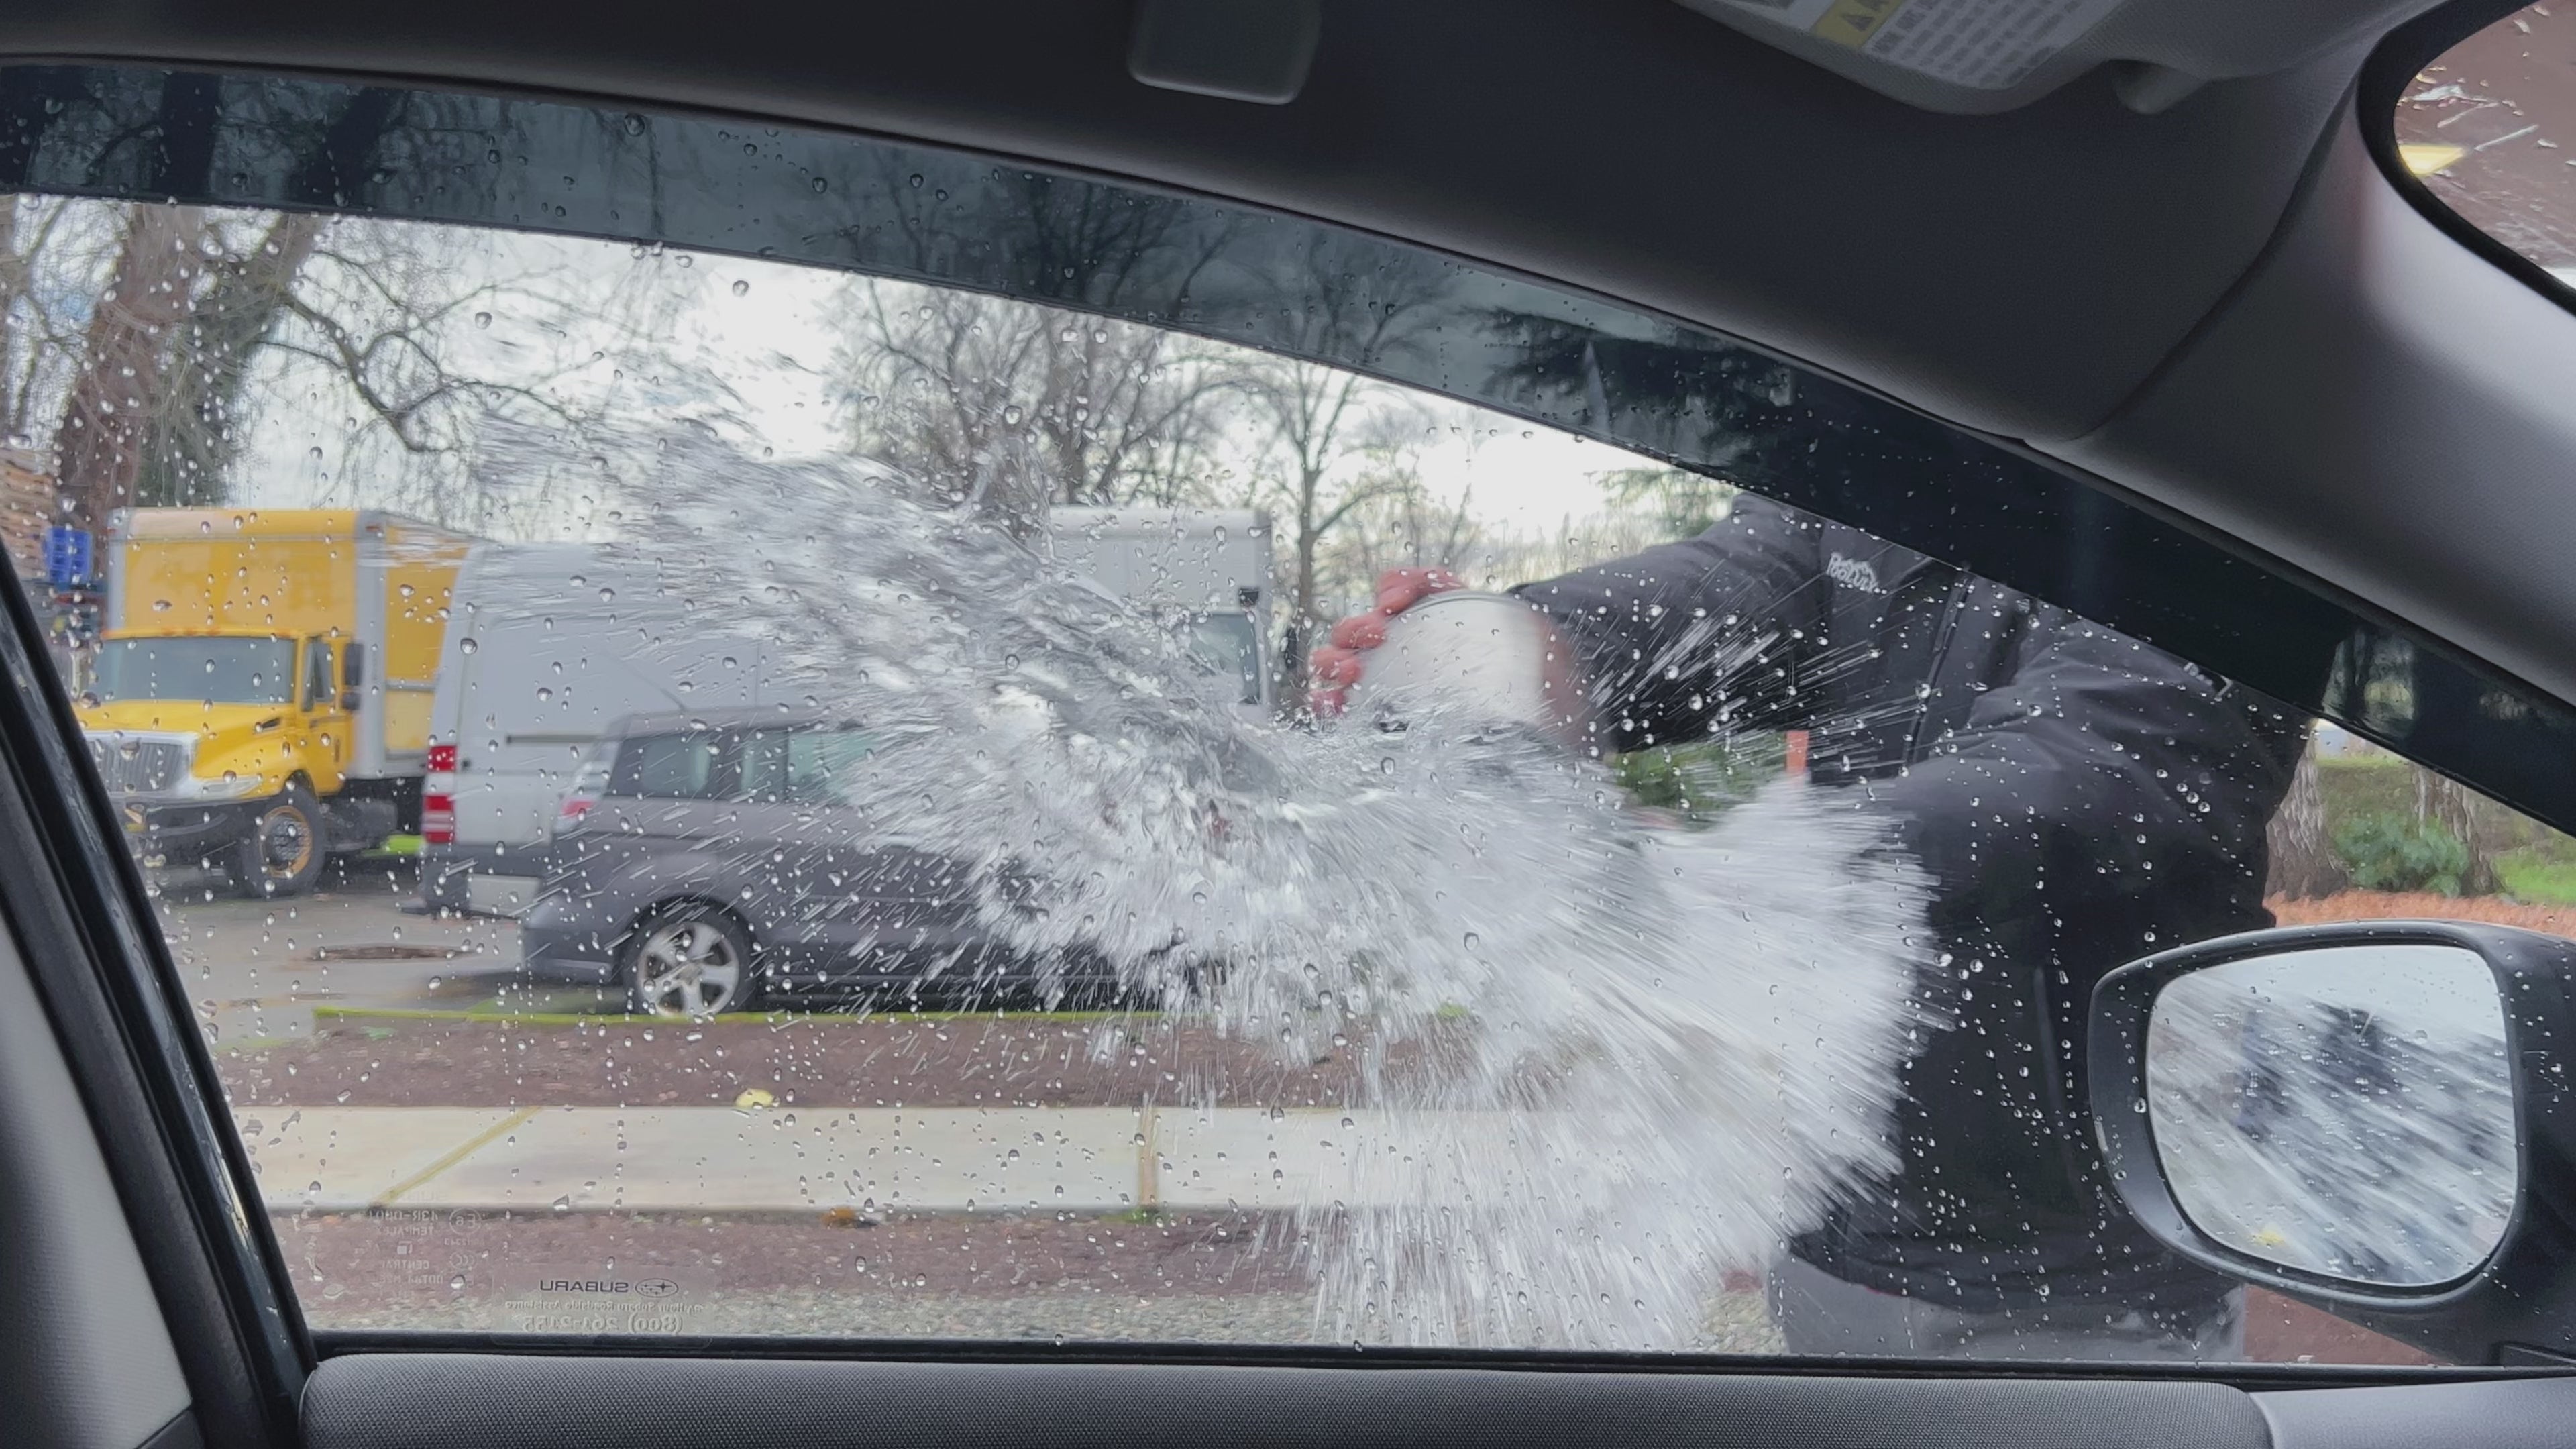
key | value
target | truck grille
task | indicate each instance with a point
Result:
(139, 765)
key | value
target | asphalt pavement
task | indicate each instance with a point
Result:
(256, 969)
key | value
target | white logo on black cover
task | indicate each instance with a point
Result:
(1852, 573)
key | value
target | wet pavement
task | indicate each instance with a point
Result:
(257, 969)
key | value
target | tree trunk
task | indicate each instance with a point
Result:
(1301, 609)
(2454, 807)
(2304, 864)
(121, 391)
(198, 432)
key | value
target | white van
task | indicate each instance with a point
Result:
(547, 645)
(1203, 571)
(550, 643)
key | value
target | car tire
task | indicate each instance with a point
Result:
(282, 851)
(687, 961)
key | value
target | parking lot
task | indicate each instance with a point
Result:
(436, 1140)
(258, 969)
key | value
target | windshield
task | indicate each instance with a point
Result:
(1661, 914)
(1227, 645)
(217, 671)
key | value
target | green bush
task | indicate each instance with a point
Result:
(1700, 781)
(2389, 851)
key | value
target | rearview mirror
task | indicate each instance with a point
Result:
(2370, 1117)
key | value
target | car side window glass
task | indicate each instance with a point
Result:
(818, 762)
(319, 688)
(670, 767)
(801, 766)
(764, 766)
(1282, 854)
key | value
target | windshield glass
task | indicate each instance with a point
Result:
(218, 671)
(1658, 914)
(1227, 645)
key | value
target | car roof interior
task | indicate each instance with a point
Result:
(2181, 269)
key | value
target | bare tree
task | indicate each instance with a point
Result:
(54, 253)
(1018, 406)
(2460, 810)
(117, 398)
(2304, 865)
(1317, 475)
(1398, 523)
(378, 314)
(1684, 503)
(198, 427)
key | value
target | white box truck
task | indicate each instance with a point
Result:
(1205, 572)
(260, 695)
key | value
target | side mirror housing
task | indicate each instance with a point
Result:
(2374, 1118)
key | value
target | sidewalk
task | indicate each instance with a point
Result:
(806, 1159)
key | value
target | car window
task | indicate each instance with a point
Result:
(802, 766)
(319, 677)
(2485, 126)
(670, 767)
(177, 667)
(1671, 933)
(1228, 645)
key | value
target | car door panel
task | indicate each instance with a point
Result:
(492, 1401)
(845, 900)
(2505, 1414)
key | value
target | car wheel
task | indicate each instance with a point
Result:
(688, 961)
(281, 853)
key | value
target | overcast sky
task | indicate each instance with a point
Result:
(768, 330)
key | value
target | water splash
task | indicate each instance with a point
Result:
(1600, 1063)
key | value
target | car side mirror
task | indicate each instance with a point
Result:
(353, 663)
(2372, 1118)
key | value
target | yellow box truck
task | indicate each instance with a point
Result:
(261, 692)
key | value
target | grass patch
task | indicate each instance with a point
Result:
(258, 1043)
(2359, 785)
(2538, 875)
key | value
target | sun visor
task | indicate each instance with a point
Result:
(1973, 57)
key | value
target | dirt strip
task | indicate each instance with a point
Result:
(984, 1061)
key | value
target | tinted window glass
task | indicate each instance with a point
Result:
(802, 766)
(1694, 968)
(318, 674)
(1228, 645)
(670, 767)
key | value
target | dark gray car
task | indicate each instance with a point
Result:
(706, 861)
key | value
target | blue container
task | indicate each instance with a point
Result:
(67, 557)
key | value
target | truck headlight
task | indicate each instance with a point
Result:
(223, 787)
